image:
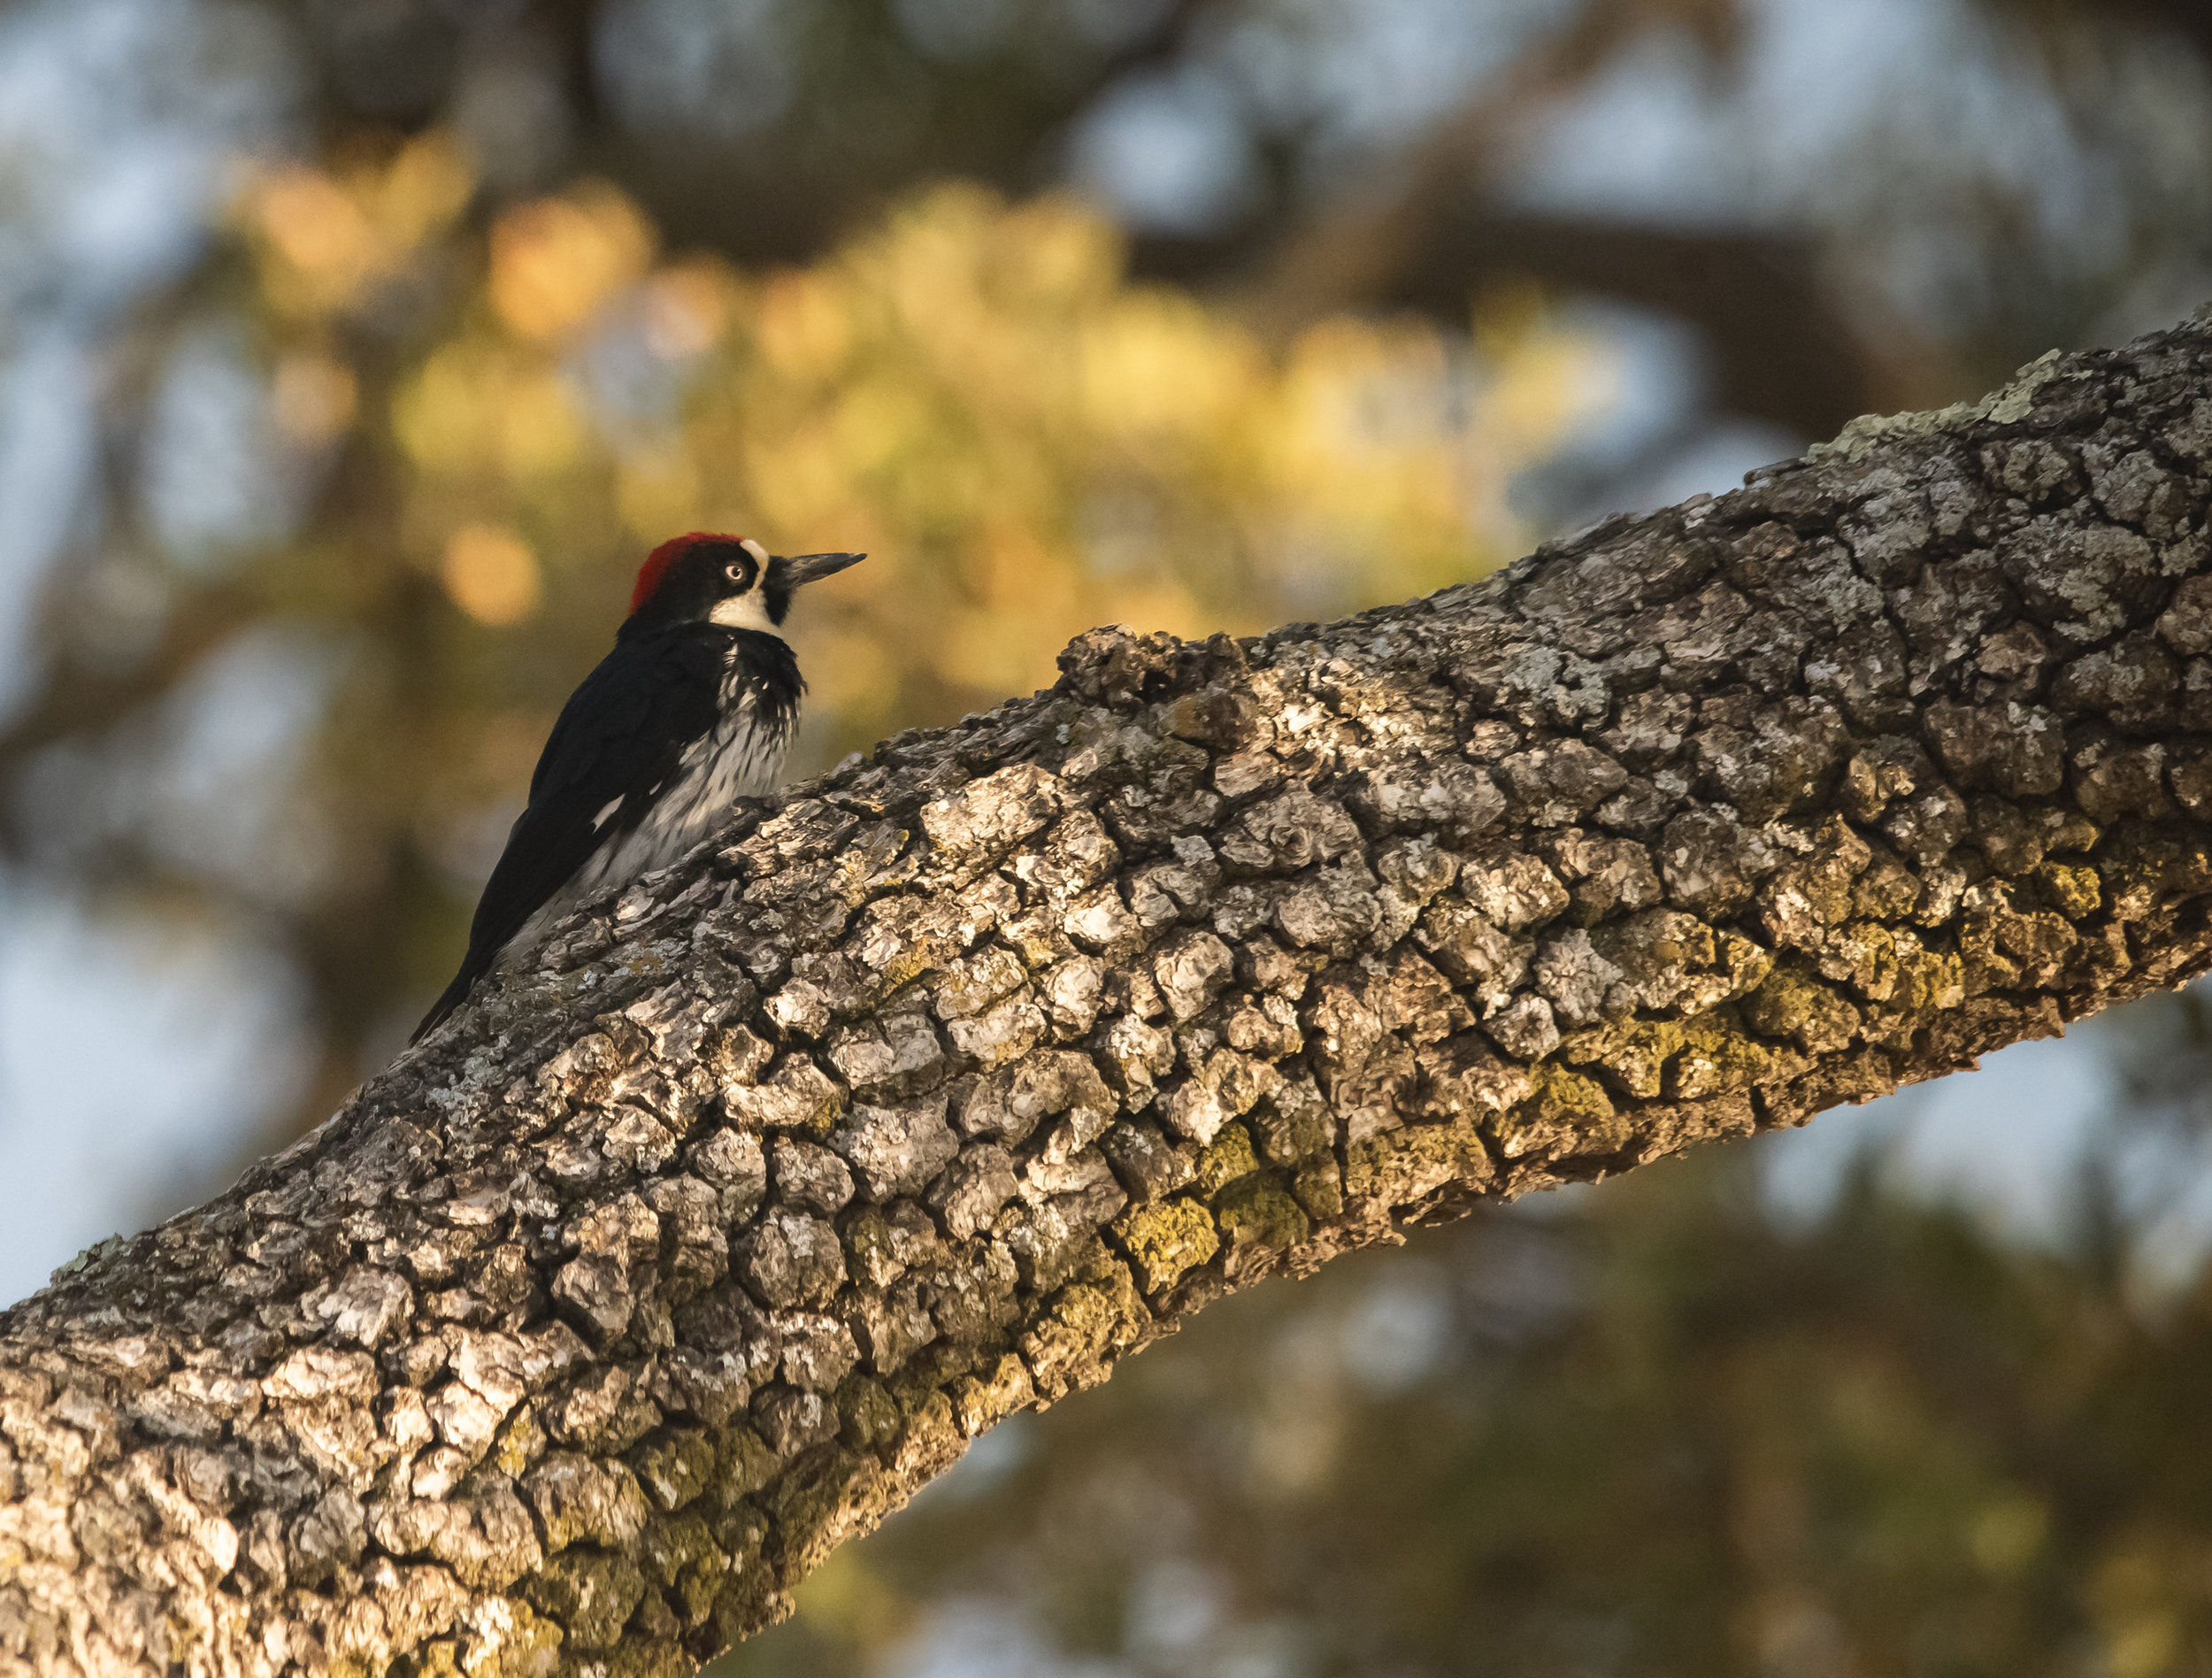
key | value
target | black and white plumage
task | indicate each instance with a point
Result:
(693, 710)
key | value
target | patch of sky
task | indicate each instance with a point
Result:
(1350, 80)
(2021, 1142)
(214, 478)
(637, 393)
(1650, 437)
(982, 1637)
(101, 198)
(1174, 1610)
(1176, 152)
(232, 738)
(1900, 128)
(1168, 152)
(718, 68)
(1399, 1330)
(208, 772)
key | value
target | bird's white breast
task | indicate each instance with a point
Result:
(743, 758)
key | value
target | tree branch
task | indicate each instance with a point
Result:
(939, 1085)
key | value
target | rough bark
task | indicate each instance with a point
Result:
(933, 1088)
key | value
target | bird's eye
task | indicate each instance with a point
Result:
(734, 571)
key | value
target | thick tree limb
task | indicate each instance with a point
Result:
(577, 1338)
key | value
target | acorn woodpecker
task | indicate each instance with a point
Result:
(692, 711)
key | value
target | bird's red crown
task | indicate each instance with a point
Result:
(657, 563)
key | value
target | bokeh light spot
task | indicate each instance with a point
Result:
(491, 575)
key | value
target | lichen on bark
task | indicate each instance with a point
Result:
(934, 1088)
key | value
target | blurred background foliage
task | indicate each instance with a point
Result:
(352, 352)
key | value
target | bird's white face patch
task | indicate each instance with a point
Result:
(747, 611)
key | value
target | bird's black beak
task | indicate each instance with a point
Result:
(812, 568)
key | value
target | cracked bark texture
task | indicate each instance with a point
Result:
(934, 1088)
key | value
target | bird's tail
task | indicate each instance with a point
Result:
(454, 996)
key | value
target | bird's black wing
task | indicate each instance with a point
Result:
(617, 742)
